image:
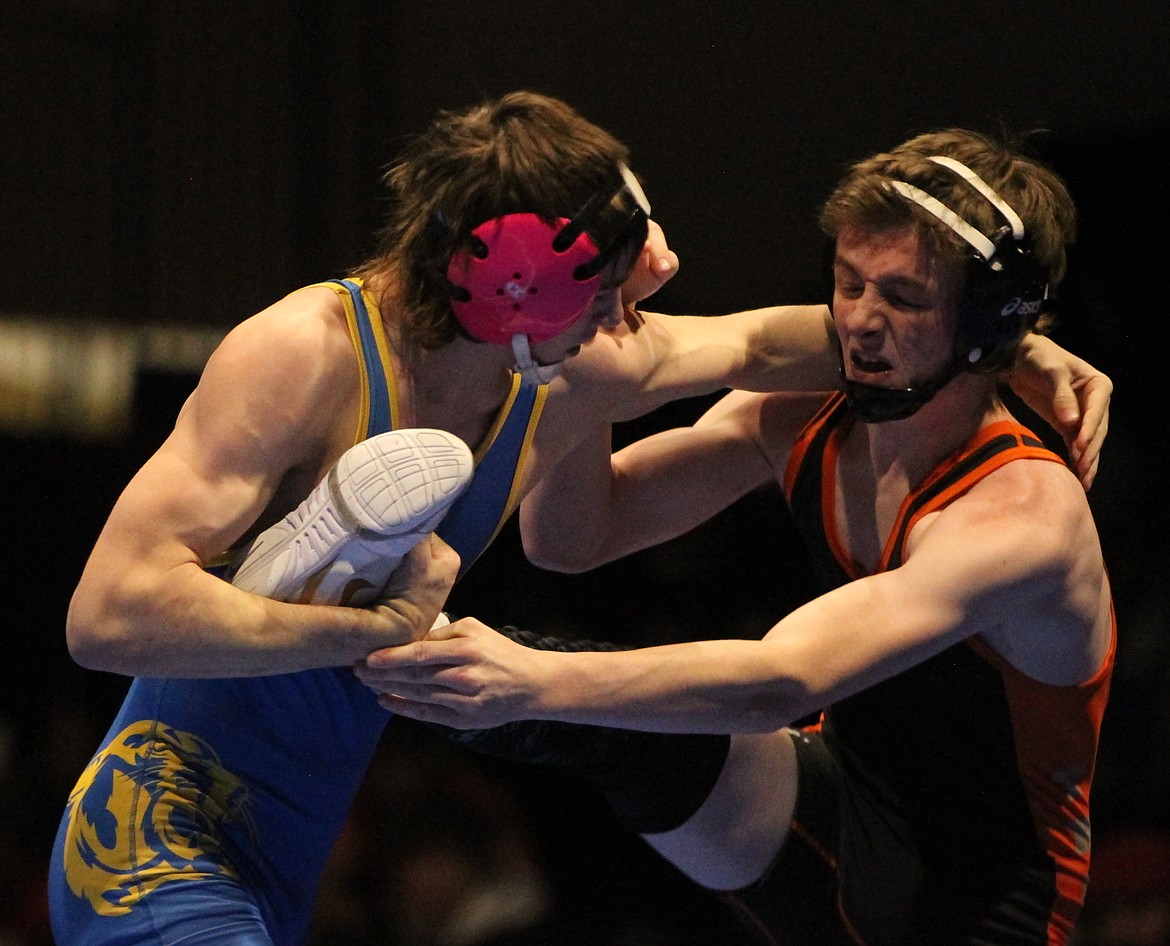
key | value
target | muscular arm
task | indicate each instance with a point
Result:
(1015, 562)
(791, 348)
(594, 507)
(265, 406)
(585, 509)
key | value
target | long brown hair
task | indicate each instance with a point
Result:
(523, 152)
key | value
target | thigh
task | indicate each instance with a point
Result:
(191, 912)
(733, 837)
(93, 904)
(848, 872)
(795, 900)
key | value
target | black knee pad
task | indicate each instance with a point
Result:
(667, 780)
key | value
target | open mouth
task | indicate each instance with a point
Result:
(869, 365)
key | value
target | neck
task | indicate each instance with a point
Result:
(462, 372)
(458, 387)
(917, 444)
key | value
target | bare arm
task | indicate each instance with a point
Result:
(594, 507)
(652, 359)
(1031, 585)
(265, 406)
(792, 348)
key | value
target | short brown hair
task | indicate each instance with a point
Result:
(523, 152)
(864, 199)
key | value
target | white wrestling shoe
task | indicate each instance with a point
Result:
(342, 543)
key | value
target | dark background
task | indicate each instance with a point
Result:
(186, 163)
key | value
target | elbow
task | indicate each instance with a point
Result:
(560, 556)
(794, 690)
(97, 638)
(784, 703)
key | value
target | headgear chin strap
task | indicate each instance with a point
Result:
(525, 281)
(528, 367)
(874, 403)
(1003, 295)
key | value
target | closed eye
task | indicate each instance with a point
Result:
(899, 301)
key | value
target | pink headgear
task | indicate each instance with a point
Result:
(526, 277)
(516, 281)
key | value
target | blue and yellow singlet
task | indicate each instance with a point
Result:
(209, 811)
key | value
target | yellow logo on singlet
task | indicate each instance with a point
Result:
(149, 809)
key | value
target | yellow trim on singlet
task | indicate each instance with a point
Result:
(522, 459)
(379, 329)
(490, 437)
(383, 347)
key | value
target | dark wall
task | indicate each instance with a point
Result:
(189, 162)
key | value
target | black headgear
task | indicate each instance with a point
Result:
(1004, 292)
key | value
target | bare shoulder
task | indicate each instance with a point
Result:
(1031, 513)
(1028, 553)
(281, 387)
(1040, 497)
(305, 329)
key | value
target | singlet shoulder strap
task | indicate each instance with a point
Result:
(991, 447)
(478, 515)
(808, 479)
(810, 441)
(379, 408)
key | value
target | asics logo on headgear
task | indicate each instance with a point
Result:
(1018, 305)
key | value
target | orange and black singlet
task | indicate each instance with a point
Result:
(985, 770)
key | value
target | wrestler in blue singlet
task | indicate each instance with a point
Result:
(209, 811)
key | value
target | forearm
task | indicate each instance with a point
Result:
(729, 686)
(661, 358)
(188, 623)
(789, 348)
(826, 650)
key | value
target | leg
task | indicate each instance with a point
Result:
(720, 809)
(741, 826)
(97, 903)
(653, 781)
(803, 896)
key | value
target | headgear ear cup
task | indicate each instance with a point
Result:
(521, 284)
(1000, 305)
(526, 277)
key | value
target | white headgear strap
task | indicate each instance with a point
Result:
(981, 243)
(527, 367)
(986, 190)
